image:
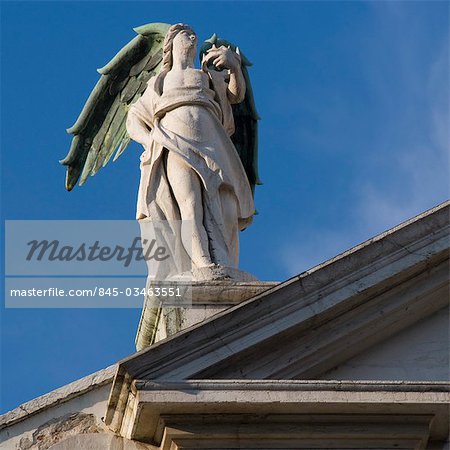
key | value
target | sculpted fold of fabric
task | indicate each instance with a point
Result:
(205, 145)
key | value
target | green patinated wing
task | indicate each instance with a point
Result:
(245, 137)
(100, 129)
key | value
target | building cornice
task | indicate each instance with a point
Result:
(158, 406)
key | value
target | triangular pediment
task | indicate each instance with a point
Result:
(304, 327)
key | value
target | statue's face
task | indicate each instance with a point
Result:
(185, 42)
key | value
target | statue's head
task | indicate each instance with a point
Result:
(180, 39)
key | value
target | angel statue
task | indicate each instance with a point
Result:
(198, 128)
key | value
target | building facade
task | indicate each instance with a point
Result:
(352, 354)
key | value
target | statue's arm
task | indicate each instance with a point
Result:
(136, 127)
(225, 58)
(236, 85)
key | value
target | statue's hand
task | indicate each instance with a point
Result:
(223, 58)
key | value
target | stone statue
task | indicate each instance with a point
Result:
(198, 128)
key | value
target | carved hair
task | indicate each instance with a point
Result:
(167, 61)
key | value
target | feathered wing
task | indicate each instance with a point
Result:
(100, 129)
(245, 137)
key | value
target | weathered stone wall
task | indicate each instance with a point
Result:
(77, 408)
(60, 428)
(99, 441)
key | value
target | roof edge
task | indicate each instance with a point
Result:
(376, 238)
(58, 396)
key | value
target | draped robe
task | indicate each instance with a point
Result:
(205, 146)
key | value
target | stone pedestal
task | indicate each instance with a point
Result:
(159, 321)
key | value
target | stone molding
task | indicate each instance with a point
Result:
(341, 405)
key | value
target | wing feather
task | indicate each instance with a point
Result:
(100, 130)
(129, 91)
(154, 60)
(98, 141)
(110, 136)
(116, 86)
(92, 106)
(119, 139)
(123, 145)
(139, 66)
(245, 137)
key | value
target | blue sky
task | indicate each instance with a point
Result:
(353, 140)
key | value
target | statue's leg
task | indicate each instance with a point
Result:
(186, 187)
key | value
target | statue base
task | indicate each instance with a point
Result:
(209, 297)
(215, 272)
